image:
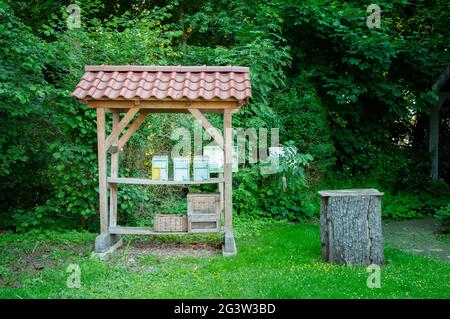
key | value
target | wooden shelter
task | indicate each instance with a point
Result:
(139, 91)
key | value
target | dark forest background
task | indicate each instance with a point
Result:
(356, 99)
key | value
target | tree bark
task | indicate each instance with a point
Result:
(350, 227)
(433, 139)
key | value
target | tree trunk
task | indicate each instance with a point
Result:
(350, 227)
(433, 139)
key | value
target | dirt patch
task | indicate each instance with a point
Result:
(144, 254)
(41, 257)
(418, 236)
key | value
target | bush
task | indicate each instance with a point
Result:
(443, 215)
(275, 195)
(402, 206)
(304, 121)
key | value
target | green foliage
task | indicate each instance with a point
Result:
(304, 122)
(443, 215)
(274, 195)
(402, 206)
(355, 98)
(24, 113)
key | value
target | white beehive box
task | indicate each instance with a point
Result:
(181, 169)
(216, 159)
(161, 162)
(201, 168)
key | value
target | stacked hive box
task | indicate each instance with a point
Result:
(203, 212)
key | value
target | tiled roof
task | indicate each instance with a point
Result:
(164, 82)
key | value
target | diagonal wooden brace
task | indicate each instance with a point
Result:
(131, 130)
(214, 132)
(124, 122)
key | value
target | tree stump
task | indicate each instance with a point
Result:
(350, 226)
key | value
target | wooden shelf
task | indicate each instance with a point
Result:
(147, 181)
(144, 231)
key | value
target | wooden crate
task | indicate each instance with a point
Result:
(170, 223)
(203, 212)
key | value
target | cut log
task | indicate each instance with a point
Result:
(350, 226)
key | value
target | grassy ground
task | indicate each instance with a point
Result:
(277, 260)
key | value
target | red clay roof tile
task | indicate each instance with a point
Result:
(164, 82)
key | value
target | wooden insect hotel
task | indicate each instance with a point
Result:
(131, 93)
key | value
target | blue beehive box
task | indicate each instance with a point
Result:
(181, 169)
(201, 168)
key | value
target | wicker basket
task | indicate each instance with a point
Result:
(170, 223)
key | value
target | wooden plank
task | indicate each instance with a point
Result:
(141, 231)
(203, 218)
(102, 167)
(118, 129)
(163, 105)
(168, 111)
(131, 130)
(145, 181)
(114, 173)
(228, 159)
(214, 132)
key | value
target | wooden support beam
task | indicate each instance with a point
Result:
(102, 170)
(208, 126)
(164, 104)
(114, 173)
(118, 129)
(147, 181)
(144, 231)
(131, 130)
(228, 159)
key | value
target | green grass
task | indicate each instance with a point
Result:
(275, 260)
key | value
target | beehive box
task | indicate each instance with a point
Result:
(216, 158)
(160, 168)
(181, 169)
(170, 223)
(203, 212)
(201, 168)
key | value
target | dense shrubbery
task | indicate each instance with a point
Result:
(443, 215)
(354, 98)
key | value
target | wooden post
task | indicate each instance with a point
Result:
(102, 170)
(114, 173)
(221, 192)
(228, 201)
(229, 244)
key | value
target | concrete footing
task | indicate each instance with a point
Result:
(229, 245)
(104, 242)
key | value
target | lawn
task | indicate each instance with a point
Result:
(275, 260)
